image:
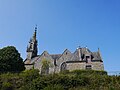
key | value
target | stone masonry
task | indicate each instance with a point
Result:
(81, 59)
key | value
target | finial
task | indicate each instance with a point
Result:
(78, 47)
(36, 28)
(98, 49)
(34, 35)
(99, 53)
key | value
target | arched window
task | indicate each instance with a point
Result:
(63, 66)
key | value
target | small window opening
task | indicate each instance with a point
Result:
(88, 67)
(87, 58)
(66, 53)
(44, 54)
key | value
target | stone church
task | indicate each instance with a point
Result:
(81, 59)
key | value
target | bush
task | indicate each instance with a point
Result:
(54, 87)
(29, 75)
(88, 72)
(75, 80)
(64, 72)
(7, 86)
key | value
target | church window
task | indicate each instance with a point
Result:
(63, 66)
(44, 54)
(83, 56)
(87, 58)
(66, 53)
(88, 67)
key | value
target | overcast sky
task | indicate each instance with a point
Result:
(63, 24)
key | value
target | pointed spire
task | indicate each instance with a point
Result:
(34, 35)
(32, 46)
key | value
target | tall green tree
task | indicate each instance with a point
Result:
(10, 60)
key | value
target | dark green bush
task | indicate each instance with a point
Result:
(54, 87)
(88, 72)
(7, 86)
(29, 75)
(75, 80)
(64, 72)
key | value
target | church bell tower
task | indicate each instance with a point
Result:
(32, 46)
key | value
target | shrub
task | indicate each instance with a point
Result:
(88, 72)
(75, 80)
(54, 87)
(64, 72)
(29, 75)
(7, 86)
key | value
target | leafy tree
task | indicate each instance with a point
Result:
(10, 60)
(46, 64)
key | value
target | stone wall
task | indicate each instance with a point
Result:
(66, 56)
(67, 61)
(29, 66)
(97, 66)
(76, 66)
(46, 56)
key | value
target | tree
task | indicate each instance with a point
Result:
(46, 64)
(10, 60)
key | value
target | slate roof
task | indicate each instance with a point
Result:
(85, 51)
(55, 56)
(35, 59)
(95, 55)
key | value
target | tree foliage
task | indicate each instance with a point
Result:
(32, 80)
(10, 60)
(46, 64)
